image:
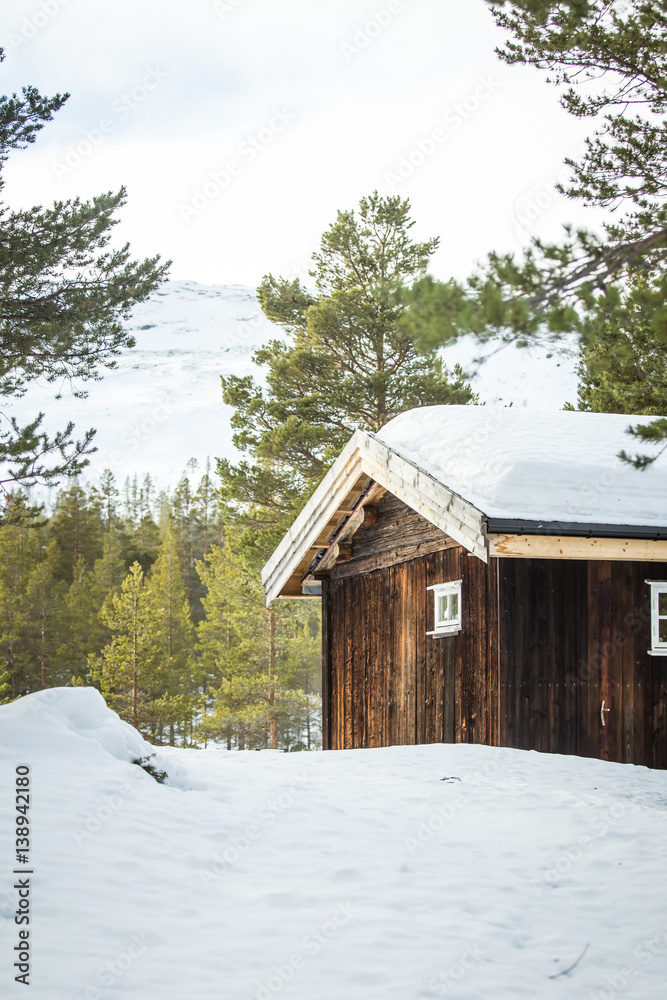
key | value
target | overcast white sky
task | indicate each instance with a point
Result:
(298, 108)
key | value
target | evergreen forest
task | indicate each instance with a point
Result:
(144, 595)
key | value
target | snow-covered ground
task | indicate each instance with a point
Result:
(163, 404)
(397, 874)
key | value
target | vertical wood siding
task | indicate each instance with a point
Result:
(385, 681)
(572, 635)
(543, 643)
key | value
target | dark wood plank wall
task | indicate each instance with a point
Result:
(392, 684)
(573, 634)
(543, 643)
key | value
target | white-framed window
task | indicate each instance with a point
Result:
(658, 617)
(446, 608)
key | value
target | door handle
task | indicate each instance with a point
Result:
(602, 711)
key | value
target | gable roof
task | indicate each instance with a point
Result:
(475, 471)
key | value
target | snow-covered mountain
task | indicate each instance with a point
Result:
(162, 406)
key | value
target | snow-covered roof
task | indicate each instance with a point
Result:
(534, 465)
(498, 481)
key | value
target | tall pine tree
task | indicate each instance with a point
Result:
(65, 293)
(131, 670)
(175, 706)
(344, 363)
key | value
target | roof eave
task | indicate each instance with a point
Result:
(522, 526)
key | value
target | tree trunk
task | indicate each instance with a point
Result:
(43, 648)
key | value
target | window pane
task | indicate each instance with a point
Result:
(662, 629)
(662, 604)
(454, 607)
(441, 614)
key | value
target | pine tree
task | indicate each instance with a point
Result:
(5, 686)
(20, 555)
(176, 704)
(43, 622)
(131, 670)
(106, 498)
(246, 654)
(64, 295)
(346, 363)
(622, 365)
(610, 56)
(77, 528)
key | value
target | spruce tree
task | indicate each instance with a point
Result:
(65, 293)
(175, 705)
(44, 622)
(77, 529)
(344, 362)
(106, 497)
(131, 670)
(5, 686)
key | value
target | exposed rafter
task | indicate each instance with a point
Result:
(365, 468)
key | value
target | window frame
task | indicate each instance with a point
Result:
(658, 587)
(446, 626)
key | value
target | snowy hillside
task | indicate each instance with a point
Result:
(163, 405)
(404, 873)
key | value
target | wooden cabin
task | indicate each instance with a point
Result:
(489, 576)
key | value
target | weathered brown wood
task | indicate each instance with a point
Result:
(423, 683)
(370, 516)
(336, 620)
(384, 560)
(339, 538)
(326, 667)
(386, 686)
(507, 645)
(543, 643)
(396, 526)
(643, 671)
(400, 706)
(493, 654)
(599, 597)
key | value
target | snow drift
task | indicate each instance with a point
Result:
(399, 873)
